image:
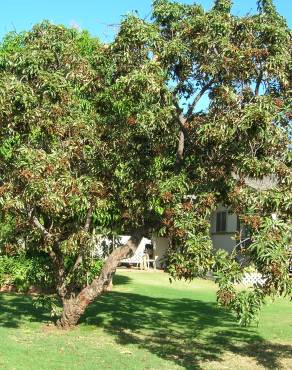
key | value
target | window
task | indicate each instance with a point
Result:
(221, 221)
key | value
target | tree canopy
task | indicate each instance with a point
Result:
(111, 138)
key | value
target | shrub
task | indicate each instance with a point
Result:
(23, 272)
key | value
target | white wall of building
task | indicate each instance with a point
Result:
(160, 246)
(224, 239)
(221, 240)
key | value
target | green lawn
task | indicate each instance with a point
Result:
(146, 323)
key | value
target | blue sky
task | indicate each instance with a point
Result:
(101, 18)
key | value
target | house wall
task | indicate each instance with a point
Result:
(221, 240)
(224, 240)
(160, 246)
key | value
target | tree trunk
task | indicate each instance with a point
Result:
(74, 307)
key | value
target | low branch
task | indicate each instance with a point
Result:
(75, 306)
(181, 118)
(59, 269)
(181, 144)
(55, 254)
(79, 258)
(180, 151)
(77, 263)
(88, 219)
(41, 228)
(215, 51)
(182, 135)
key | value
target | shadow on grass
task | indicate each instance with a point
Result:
(16, 309)
(184, 331)
(121, 280)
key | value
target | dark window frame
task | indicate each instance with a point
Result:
(221, 221)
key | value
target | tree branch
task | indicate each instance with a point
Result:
(181, 118)
(86, 228)
(183, 121)
(39, 226)
(55, 254)
(76, 305)
(258, 83)
(180, 150)
(197, 98)
(181, 138)
(88, 219)
(76, 264)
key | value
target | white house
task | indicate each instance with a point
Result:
(156, 249)
(224, 226)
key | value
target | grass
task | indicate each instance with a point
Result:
(146, 323)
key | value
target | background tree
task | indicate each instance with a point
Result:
(111, 138)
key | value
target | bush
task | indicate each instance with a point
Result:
(22, 272)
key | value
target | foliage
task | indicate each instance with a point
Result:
(7, 226)
(86, 272)
(247, 306)
(22, 272)
(269, 252)
(111, 138)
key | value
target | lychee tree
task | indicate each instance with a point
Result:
(113, 138)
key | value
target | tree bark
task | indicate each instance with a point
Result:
(183, 120)
(74, 307)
